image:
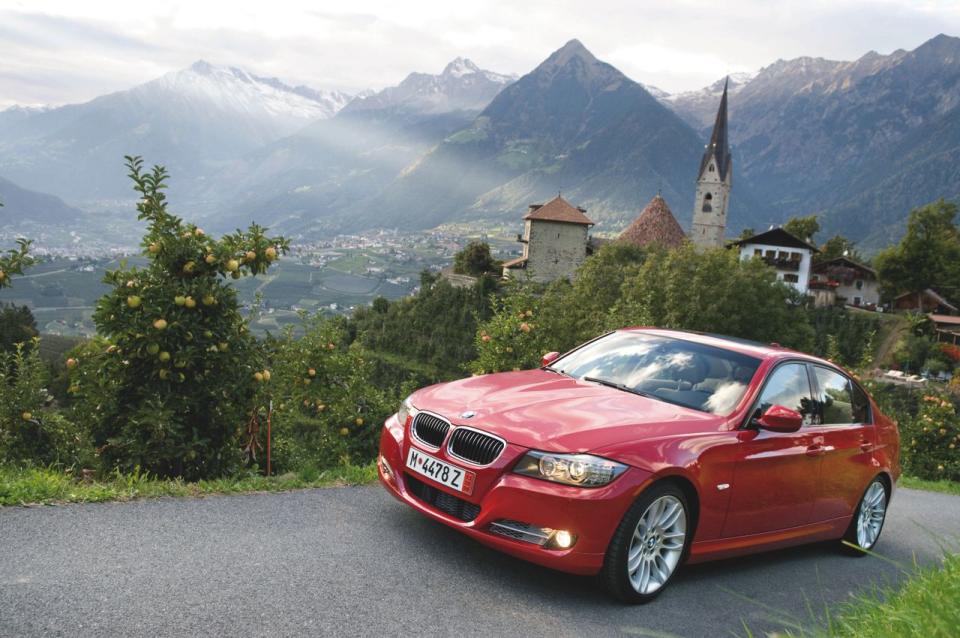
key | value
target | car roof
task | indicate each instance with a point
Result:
(735, 344)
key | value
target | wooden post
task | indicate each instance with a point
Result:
(269, 415)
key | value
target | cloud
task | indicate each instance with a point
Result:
(57, 51)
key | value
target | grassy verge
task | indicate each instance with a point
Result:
(41, 486)
(947, 487)
(927, 606)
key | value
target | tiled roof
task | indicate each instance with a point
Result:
(655, 225)
(777, 237)
(935, 318)
(933, 294)
(843, 262)
(558, 210)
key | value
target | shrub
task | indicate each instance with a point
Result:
(843, 336)
(171, 382)
(14, 262)
(714, 291)
(435, 328)
(512, 338)
(328, 411)
(29, 431)
(951, 352)
(929, 429)
(931, 440)
(17, 325)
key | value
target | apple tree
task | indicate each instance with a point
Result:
(14, 261)
(169, 386)
(328, 411)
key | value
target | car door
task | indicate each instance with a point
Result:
(776, 473)
(847, 437)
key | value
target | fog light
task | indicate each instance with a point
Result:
(385, 468)
(562, 539)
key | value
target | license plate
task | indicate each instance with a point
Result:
(440, 471)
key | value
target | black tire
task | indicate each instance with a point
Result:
(853, 543)
(614, 575)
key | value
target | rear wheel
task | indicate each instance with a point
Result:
(648, 546)
(867, 523)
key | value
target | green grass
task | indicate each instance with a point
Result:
(946, 487)
(927, 606)
(42, 486)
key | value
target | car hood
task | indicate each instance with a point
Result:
(548, 411)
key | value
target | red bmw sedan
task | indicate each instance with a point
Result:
(645, 449)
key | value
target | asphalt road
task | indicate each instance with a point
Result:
(352, 561)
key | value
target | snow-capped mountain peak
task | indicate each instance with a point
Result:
(460, 67)
(462, 86)
(236, 89)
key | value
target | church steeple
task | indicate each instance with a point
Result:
(719, 147)
(713, 184)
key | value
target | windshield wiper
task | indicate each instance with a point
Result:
(620, 386)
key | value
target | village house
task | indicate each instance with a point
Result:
(927, 301)
(555, 240)
(853, 283)
(789, 255)
(947, 327)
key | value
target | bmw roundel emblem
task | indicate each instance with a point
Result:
(469, 414)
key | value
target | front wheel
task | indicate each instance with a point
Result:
(648, 545)
(867, 523)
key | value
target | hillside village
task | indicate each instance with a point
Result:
(556, 241)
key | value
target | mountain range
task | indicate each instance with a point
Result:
(859, 143)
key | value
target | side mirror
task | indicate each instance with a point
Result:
(780, 419)
(549, 358)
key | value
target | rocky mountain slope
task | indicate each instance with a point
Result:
(574, 124)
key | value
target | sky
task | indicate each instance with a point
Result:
(65, 51)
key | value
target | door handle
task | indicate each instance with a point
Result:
(815, 450)
(866, 446)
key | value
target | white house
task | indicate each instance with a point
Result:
(789, 255)
(855, 283)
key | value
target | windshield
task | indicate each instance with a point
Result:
(689, 374)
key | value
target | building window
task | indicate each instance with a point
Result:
(859, 285)
(796, 257)
(791, 278)
(707, 206)
(757, 252)
(711, 168)
(771, 254)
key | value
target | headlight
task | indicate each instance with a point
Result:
(406, 412)
(584, 470)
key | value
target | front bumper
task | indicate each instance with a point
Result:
(590, 514)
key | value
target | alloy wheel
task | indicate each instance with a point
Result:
(657, 544)
(873, 509)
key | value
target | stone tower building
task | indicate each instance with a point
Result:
(555, 237)
(713, 185)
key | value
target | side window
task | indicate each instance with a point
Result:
(789, 386)
(861, 405)
(835, 398)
